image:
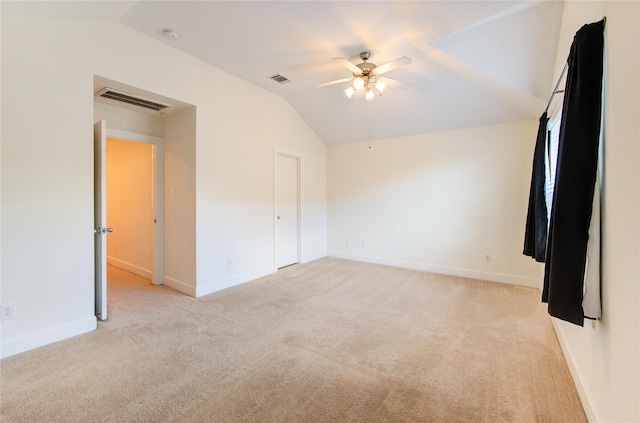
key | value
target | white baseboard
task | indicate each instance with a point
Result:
(180, 286)
(210, 288)
(453, 271)
(136, 270)
(233, 281)
(49, 336)
(308, 259)
(576, 374)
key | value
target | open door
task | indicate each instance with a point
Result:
(100, 217)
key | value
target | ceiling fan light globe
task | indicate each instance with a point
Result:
(369, 95)
(358, 83)
(381, 86)
(349, 92)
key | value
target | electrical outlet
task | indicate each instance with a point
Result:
(348, 243)
(229, 261)
(7, 311)
(363, 243)
(487, 258)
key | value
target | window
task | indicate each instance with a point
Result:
(551, 158)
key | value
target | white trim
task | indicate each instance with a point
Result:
(179, 286)
(132, 268)
(588, 404)
(308, 259)
(453, 271)
(132, 136)
(157, 235)
(49, 336)
(233, 281)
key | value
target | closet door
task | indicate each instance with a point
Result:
(287, 210)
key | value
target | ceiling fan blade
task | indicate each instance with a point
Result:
(395, 83)
(337, 81)
(402, 61)
(347, 64)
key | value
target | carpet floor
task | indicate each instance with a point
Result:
(328, 341)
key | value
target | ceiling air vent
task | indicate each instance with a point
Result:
(279, 78)
(131, 99)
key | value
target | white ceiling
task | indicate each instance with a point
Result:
(475, 63)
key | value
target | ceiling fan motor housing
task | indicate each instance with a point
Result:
(366, 68)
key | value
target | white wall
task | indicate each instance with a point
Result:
(180, 201)
(604, 357)
(437, 202)
(47, 188)
(48, 68)
(235, 197)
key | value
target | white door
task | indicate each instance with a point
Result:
(100, 216)
(287, 206)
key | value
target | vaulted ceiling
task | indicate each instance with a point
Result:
(475, 63)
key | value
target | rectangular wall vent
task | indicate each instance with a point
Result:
(131, 99)
(279, 78)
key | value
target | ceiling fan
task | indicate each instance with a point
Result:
(367, 76)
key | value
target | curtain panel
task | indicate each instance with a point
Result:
(562, 240)
(571, 209)
(535, 237)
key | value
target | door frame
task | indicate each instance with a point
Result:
(157, 195)
(299, 159)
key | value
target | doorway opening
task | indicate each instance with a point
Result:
(171, 135)
(130, 206)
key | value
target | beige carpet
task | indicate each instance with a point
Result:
(328, 341)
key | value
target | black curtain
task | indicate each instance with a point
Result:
(575, 177)
(535, 237)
